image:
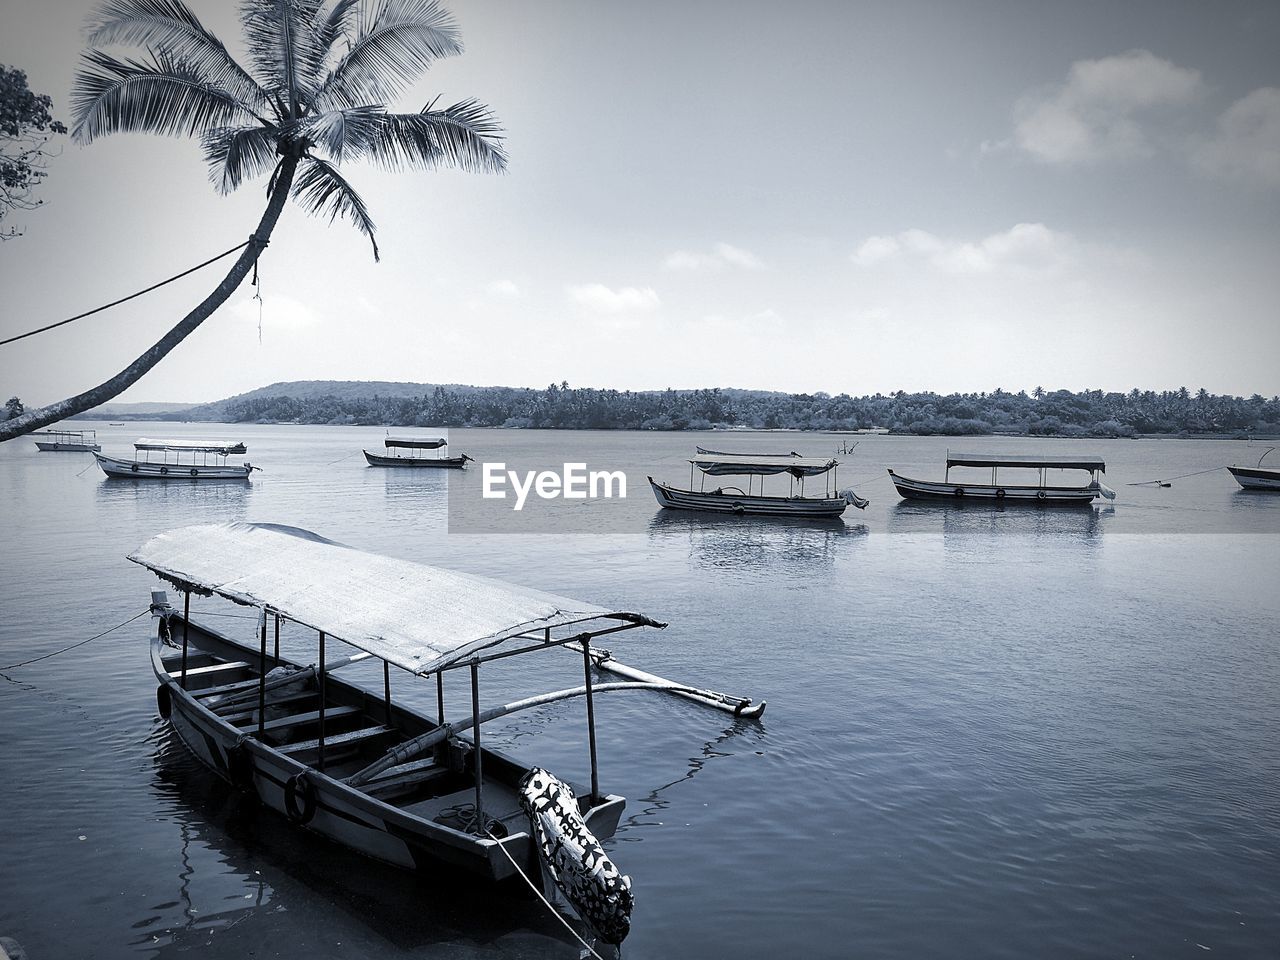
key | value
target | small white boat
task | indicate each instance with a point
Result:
(1257, 477)
(376, 775)
(415, 458)
(68, 441)
(750, 502)
(1040, 493)
(178, 460)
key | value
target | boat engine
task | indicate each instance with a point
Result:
(574, 858)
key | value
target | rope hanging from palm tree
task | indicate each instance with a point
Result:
(133, 296)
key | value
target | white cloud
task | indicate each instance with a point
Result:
(277, 312)
(874, 249)
(721, 255)
(1247, 145)
(1023, 248)
(502, 290)
(1100, 111)
(602, 299)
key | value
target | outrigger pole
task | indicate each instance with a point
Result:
(412, 748)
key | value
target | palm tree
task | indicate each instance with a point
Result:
(312, 99)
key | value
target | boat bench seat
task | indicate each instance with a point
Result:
(311, 716)
(337, 740)
(212, 670)
(242, 711)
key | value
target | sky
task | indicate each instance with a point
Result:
(838, 196)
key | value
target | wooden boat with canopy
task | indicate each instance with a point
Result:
(753, 502)
(416, 456)
(1257, 477)
(1041, 492)
(358, 766)
(178, 460)
(68, 441)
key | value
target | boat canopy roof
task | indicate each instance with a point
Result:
(1062, 463)
(417, 443)
(740, 464)
(703, 451)
(224, 447)
(417, 617)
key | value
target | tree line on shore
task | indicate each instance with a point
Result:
(559, 406)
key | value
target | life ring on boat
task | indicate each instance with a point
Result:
(299, 786)
(240, 766)
(195, 472)
(958, 491)
(164, 701)
(134, 468)
(1040, 495)
(999, 493)
(164, 469)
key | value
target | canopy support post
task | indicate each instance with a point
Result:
(591, 719)
(320, 682)
(440, 697)
(477, 761)
(186, 626)
(277, 652)
(262, 677)
(386, 688)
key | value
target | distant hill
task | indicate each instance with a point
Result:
(1061, 413)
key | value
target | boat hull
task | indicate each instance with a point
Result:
(446, 463)
(52, 446)
(746, 505)
(1256, 478)
(141, 470)
(991, 493)
(344, 814)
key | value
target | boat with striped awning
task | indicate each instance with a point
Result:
(351, 763)
(752, 502)
(178, 460)
(1042, 492)
(415, 456)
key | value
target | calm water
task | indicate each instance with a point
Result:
(989, 734)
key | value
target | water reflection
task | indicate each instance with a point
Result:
(654, 803)
(221, 495)
(246, 878)
(1074, 523)
(750, 542)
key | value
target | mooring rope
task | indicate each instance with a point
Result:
(78, 644)
(554, 912)
(114, 303)
(1144, 483)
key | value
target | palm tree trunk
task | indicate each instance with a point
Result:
(131, 374)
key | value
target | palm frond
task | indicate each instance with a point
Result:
(321, 189)
(395, 45)
(465, 135)
(171, 26)
(278, 34)
(333, 25)
(162, 96)
(342, 132)
(237, 154)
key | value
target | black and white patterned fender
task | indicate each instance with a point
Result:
(574, 858)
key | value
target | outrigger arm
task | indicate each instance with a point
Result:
(406, 751)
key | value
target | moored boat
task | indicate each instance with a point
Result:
(1257, 477)
(415, 458)
(750, 502)
(1040, 493)
(68, 441)
(364, 769)
(178, 460)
